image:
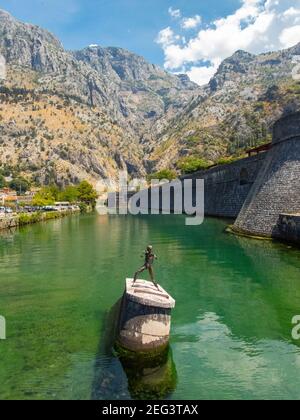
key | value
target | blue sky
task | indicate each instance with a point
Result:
(191, 36)
(131, 24)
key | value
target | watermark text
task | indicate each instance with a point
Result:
(2, 68)
(296, 68)
(296, 329)
(2, 328)
(164, 197)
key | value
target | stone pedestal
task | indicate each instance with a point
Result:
(153, 379)
(145, 318)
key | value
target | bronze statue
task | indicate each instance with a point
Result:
(149, 260)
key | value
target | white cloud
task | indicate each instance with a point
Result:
(290, 36)
(191, 23)
(201, 75)
(257, 26)
(292, 12)
(167, 37)
(174, 13)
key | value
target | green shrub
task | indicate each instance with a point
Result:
(192, 164)
(2, 181)
(51, 215)
(83, 207)
(226, 160)
(167, 174)
(27, 219)
(193, 139)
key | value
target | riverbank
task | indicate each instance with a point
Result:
(23, 219)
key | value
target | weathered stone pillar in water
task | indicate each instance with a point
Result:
(145, 318)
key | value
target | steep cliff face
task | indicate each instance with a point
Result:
(109, 95)
(143, 92)
(30, 46)
(235, 111)
(110, 77)
(65, 116)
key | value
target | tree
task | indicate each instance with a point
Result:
(70, 194)
(54, 191)
(2, 181)
(44, 198)
(87, 194)
(21, 185)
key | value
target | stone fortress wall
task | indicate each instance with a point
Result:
(259, 190)
(227, 186)
(276, 189)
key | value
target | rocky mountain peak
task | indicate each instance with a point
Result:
(237, 64)
(240, 56)
(4, 15)
(11, 26)
(92, 111)
(28, 45)
(237, 109)
(122, 65)
(119, 63)
(295, 50)
(113, 99)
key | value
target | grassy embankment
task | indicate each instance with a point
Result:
(28, 219)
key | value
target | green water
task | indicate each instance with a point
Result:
(231, 330)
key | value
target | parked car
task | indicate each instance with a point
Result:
(49, 208)
(6, 210)
(31, 209)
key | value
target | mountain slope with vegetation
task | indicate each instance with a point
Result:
(235, 112)
(68, 116)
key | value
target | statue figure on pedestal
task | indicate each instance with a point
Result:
(148, 265)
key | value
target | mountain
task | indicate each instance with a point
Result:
(71, 115)
(234, 112)
(144, 91)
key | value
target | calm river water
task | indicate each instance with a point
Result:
(231, 329)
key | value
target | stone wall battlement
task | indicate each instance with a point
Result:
(257, 190)
(287, 128)
(277, 187)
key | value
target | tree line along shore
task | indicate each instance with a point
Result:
(47, 203)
